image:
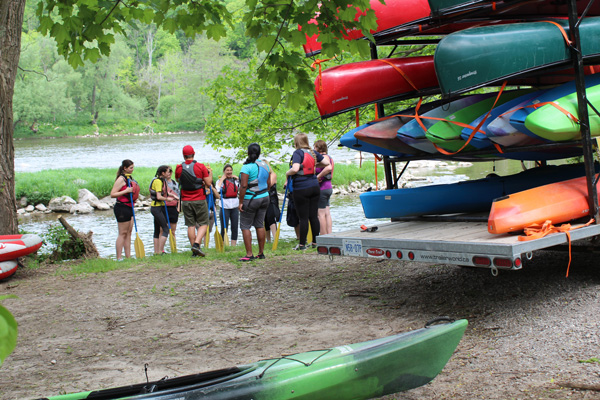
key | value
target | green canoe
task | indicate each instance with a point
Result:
(447, 135)
(356, 371)
(476, 57)
(553, 123)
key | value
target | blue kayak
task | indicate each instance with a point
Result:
(462, 197)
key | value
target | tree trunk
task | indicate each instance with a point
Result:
(11, 23)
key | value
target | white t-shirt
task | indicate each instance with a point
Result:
(230, 203)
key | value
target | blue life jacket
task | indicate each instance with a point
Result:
(260, 185)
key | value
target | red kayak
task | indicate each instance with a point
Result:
(345, 87)
(389, 15)
(15, 246)
(558, 202)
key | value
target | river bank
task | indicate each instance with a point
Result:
(531, 332)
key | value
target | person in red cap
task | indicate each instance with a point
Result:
(193, 177)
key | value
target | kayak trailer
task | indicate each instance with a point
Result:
(464, 243)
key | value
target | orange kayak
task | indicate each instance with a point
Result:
(558, 202)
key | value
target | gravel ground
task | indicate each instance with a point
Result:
(528, 333)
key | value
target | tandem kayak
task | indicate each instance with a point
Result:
(15, 246)
(356, 371)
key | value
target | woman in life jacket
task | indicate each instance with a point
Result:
(306, 187)
(255, 180)
(173, 206)
(324, 176)
(229, 185)
(158, 194)
(272, 215)
(125, 189)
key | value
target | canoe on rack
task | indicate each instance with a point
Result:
(354, 371)
(476, 57)
(345, 87)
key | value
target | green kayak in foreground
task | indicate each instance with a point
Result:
(356, 371)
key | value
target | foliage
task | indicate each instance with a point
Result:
(62, 244)
(8, 330)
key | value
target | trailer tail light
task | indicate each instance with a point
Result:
(322, 250)
(503, 262)
(388, 254)
(335, 251)
(411, 255)
(481, 261)
(518, 262)
(399, 254)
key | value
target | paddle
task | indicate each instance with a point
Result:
(226, 238)
(171, 237)
(218, 238)
(276, 239)
(137, 243)
(309, 237)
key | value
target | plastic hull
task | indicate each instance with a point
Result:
(8, 268)
(468, 196)
(476, 57)
(356, 371)
(345, 87)
(558, 202)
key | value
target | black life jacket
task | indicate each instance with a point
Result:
(230, 188)
(188, 179)
(259, 185)
(329, 176)
(153, 193)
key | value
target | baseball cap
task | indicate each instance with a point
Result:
(188, 150)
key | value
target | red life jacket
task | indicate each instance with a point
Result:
(126, 199)
(307, 167)
(230, 188)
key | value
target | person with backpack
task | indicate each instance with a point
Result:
(173, 206)
(193, 177)
(324, 176)
(306, 187)
(159, 194)
(126, 191)
(229, 185)
(255, 181)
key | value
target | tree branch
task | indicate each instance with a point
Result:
(35, 72)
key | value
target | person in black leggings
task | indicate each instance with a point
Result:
(306, 190)
(158, 193)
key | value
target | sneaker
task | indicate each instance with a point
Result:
(300, 247)
(196, 250)
(247, 258)
(261, 256)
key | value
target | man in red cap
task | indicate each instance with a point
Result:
(193, 177)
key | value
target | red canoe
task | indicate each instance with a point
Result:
(389, 15)
(558, 202)
(345, 87)
(15, 246)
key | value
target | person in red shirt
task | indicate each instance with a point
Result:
(193, 177)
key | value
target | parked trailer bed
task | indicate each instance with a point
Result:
(464, 243)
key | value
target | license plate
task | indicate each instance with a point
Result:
(352, 247)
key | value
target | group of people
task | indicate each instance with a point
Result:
(247, 201)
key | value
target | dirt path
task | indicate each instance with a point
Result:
(528, 329)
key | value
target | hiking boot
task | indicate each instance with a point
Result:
(196, 252)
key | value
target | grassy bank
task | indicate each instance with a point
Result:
(40, 187)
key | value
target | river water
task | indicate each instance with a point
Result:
(150, 151)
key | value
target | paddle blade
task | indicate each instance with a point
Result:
(207, 237)
(309, 237)
(172, 242)
(276, 238)
(219, 241)
(226, 238)
(139, 247)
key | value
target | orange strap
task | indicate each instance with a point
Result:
(400, 72)
(537, 231)
(562, 31)
(559, 108)
(318, 63)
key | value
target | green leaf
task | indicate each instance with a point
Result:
(273, 97)
(8, 331)
(75, 60)
(92, 54)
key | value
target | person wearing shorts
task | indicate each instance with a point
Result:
(256, 177)
(125, 190)
(193, 177)
(324, 176)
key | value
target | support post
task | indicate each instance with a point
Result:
(588, 157)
